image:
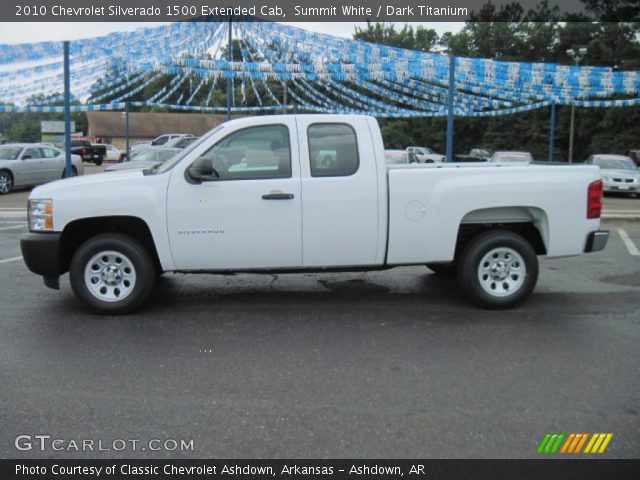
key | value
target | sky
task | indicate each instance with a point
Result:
(11, 33)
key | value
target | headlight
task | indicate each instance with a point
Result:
(40, 215)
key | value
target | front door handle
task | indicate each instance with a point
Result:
(278, 196)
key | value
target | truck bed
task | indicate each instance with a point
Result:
(552, 197)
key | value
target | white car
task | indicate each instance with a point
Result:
(424, 155)
(619, 172)
(396, 157)
(24, 164)
(113, 153)
(249, 197)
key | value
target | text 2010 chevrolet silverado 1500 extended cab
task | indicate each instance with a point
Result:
(257, 195)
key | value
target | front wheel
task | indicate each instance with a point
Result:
(112, 273)
(98, 161)
(498, 269)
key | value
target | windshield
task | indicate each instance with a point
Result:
(174, 160)
(611, 164)
(9, 153)
(512, 157)
(395, 157)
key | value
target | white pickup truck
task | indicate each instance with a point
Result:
(256, 195)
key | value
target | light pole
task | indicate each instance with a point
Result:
(576, 55)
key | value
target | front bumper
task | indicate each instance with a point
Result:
(623, 187)
(596, 241)
(41, 253)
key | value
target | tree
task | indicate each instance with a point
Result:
(422, 39)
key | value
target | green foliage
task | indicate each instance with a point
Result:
(423, 39)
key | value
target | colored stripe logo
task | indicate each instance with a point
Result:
(573, 443)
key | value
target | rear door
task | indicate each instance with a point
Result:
(52, 164)
(339, 192)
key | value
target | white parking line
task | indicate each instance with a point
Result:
(631, 247)
(22, 225)
(12, 259)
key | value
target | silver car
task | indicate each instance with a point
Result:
(619, 173)
(23, 164)
(511, 157)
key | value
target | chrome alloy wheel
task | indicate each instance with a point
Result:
(502, 272)
(5, 182)
(110, 276)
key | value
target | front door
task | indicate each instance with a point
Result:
(32, 169)
(250, 216)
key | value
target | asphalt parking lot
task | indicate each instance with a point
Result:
(386, 364)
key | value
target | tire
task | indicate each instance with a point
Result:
(443, 269)
(498, 269)
(98, 161)
(112, 273)
(74, 172)
(6, 182)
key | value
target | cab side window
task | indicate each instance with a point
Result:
(333, 150)
(253, 153)
(49, 153)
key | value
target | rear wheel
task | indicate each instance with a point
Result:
(98, 161)
(498, 269)
(112, 273)
(74, 172)
(6, 182)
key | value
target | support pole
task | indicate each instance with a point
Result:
(552, 132)
(284, 97)
(230, 59)
(452, 86)
(127, 107)
(67, 113)
(571, 128)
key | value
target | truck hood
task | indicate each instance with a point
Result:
(98, 180)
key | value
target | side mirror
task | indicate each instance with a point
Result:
(201, 171)
(26, 157)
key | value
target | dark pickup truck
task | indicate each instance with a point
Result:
(475, 155)
(89, 152)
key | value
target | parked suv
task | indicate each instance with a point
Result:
(89, 152)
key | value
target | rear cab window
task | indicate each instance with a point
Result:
(333, 150)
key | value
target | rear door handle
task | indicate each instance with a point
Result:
(278, 196)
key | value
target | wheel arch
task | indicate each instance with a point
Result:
(532, 223)
(78, 231)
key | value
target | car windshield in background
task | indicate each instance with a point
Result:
(185, 142)
(156, 156)
(612, 164)
(9, 153)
